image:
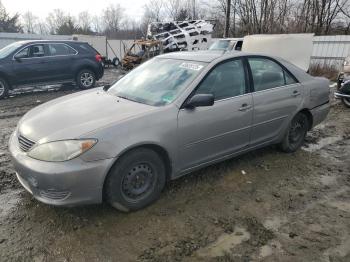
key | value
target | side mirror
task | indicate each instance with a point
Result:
(18, 59)
(200, 100)
(106, 87)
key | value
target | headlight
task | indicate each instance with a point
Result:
(61, 150)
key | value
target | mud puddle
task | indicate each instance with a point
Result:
(8, 201)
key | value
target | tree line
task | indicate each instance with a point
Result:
(321, 17)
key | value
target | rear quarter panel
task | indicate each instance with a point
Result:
(317, 91)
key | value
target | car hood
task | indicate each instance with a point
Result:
(72, 116)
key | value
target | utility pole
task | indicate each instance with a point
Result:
(193, 9)
(227, 20)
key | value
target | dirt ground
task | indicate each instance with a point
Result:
(262, 206)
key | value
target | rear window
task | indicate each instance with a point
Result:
(87, 48)
(61, 49)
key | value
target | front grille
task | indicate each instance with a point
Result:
(24, 143)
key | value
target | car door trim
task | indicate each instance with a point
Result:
(277, 87)
(45, 56)
(215, 137)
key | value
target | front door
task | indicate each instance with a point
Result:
(209, 133)
(30, 65)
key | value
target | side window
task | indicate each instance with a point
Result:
(289, 79)
(266, 74)
(224, 81)
(60, 49)
(24, 53)
(37, 51)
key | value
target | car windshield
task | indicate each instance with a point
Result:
(157, 82)
(9, 49)
(220, 45)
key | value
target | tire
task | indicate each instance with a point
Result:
(86, 79)
(346, 101)
(136, 180)
(4, 88)
(295, 135)
(115, 61)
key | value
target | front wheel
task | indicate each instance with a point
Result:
(296, 133)
(4, 88)
(346, 101)
(136, 180)
(86, 79)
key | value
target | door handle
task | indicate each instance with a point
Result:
(296, 93)
(245, 107)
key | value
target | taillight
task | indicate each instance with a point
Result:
(98, 58)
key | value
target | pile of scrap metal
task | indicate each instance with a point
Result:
(164, 37)
(140, 51)
(182, 35)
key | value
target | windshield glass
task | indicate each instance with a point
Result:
(220, 45)
(9, 49)
(157, 82)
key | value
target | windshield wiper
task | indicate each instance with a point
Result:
(124, 97)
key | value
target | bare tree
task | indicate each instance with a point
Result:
(42, 28)
(97, 24)
(112, 18)
(55, 20)
(85, 21)
(9, 23)
(29, 22)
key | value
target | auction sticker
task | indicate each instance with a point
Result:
(191, 66)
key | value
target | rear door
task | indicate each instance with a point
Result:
(61, 59)
(208, 133)
(277, 96)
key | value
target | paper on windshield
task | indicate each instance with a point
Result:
(191, 66)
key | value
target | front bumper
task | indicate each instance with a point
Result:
(341, 95)
(68, 183)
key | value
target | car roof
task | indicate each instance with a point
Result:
(49, 41)
(230, 39)
(206, 56)
(200, 56)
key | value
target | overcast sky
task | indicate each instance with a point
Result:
(41, 8)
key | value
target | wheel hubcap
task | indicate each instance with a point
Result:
(87, 79)
(2, 88)
(296, 131)
(138, 182)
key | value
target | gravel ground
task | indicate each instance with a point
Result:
(262, 206)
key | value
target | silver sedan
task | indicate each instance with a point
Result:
(168, 117)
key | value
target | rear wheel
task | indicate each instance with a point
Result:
(296, 133)
(86, 79)
(346, 101)
(4, 88)
(136, 180)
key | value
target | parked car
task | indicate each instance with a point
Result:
(227, 44)
(172, 115)
(48, 62)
